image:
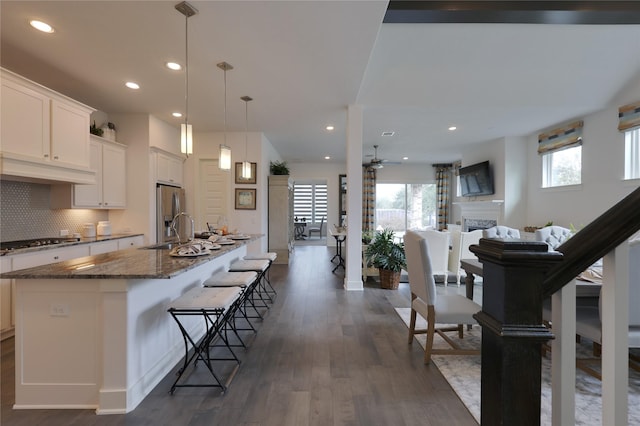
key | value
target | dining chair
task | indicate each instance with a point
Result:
(500, 231)
(438, 242)
(553, 235)
(450, 312)
(460, 243)
(317, 229)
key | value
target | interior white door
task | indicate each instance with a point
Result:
(213, 193)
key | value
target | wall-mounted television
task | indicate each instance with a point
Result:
(476, 179)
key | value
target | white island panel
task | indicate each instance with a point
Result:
(98, 342)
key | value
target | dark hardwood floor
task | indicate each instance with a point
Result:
(322, 356)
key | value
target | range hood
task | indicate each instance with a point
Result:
(27, 169)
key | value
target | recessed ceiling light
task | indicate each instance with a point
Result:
(329, 128)
(452, 128)
(174, 66)
(177, 114)
(405, 158)
(41, 26)
(132, 85)
(327, 158)
(388, 133)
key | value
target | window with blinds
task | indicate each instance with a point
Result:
(310, 201)
(632, 154)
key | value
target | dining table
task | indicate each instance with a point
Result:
(340, 235)
(473, 268)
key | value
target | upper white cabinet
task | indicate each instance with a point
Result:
(168, 168)
(69, 133)
(108, 159)
(25, 120)
(45, 135)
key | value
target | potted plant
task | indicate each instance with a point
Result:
(279, 168)
(388, 256)
(367, 236)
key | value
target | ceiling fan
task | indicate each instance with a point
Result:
(377, 163)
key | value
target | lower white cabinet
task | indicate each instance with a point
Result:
(103, 247)
(130, 242)
(108, 159)
(44, 257)
(115, 244)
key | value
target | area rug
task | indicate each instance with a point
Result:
(463, 374)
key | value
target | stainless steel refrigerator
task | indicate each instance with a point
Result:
(170, 201)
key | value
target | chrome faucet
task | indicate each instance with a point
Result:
(175, 230)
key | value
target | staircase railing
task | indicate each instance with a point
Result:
(517, 276)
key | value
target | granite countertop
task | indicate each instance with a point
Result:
(134, 263)
(82, 240)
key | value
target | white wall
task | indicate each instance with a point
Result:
(494, 152)
(406, 173)
(139, 216)
(602, 172)
(517, 170)
(515, 182)
(259, 151)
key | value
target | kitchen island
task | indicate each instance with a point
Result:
(94, 332)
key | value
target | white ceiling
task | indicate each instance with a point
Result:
(303, 62)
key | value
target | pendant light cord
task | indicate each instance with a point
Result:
(186, 70)
(246, 128)
(225, 106)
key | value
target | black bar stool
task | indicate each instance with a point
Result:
(247, 281)
(271, 257)
(260, 267)
(216, 306)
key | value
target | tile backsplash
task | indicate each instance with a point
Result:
(25, 213)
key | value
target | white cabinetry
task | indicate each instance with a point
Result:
(69, 133)
(25, 120)
(103, 247)
(45, 135)
(280, 217)
(130, 242)
(6, 301)
(108, 159)
(115, 244)
(168, 169)
(47, 256)
(22, 261)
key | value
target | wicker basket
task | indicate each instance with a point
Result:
(389, 279)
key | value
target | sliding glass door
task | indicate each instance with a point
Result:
(405, 206)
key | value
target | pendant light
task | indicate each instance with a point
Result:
(224, 158)
(246, 166)
(186, 131)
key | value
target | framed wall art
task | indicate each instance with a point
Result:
(245, 199)
(239, 178)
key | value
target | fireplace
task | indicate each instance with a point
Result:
(475, 224)
(480, 214)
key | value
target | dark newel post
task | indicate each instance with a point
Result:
(512, 329)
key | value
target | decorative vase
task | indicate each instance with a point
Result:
(389, 280)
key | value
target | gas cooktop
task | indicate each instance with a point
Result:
(37, 242)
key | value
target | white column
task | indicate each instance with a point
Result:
(353, 243)
(615, 336)
(563, 356)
